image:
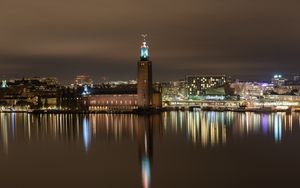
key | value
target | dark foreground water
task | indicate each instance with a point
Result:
(175, 149)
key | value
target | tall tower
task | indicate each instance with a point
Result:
(144, 77)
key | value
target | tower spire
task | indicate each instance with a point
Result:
(144, 49)
(144, 37)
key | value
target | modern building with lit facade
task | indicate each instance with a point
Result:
(278, 80)
(198, 84)
(249, 90)
(141, 96)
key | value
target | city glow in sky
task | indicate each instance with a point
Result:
(245, 39)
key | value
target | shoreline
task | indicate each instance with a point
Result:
(154, 111)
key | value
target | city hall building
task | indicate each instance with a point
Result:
(143, 96)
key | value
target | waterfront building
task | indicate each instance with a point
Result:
(143, 96)
(248, 90)
(198, 84)
(289, 88)
(294, 87)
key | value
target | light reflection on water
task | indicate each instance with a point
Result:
(214, 128)
(206, 129)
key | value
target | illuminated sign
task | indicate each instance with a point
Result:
(216, 97)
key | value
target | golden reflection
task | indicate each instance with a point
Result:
(205, 129)
(4, 133)
(214, 128)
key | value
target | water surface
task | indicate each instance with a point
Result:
(174, 149)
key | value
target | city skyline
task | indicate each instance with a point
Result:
(245, 40)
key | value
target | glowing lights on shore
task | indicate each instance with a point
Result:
(279, 103)
(4, 84)
(276, 76)
(85, 91)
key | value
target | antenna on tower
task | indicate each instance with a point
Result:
(144, 37)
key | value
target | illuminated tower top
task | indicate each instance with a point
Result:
(144, 49)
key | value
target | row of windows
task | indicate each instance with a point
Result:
(205, 78)
(206, 81)
(114, 102)
(102, 108)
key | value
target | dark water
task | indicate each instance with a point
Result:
(176, 149)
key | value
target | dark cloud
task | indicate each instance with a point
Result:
(242, 38)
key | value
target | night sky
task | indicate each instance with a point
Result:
(247, 39)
